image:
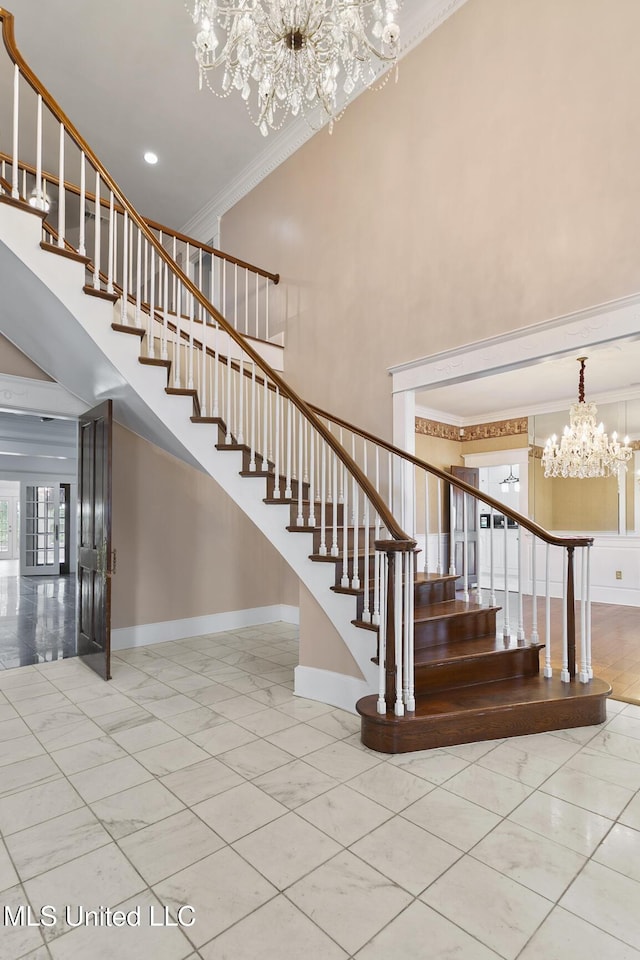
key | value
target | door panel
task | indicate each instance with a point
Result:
(94, 548)
(470, 475)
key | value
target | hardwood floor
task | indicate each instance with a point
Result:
(615, 640)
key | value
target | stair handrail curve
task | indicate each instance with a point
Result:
(462, 485)
(400, 540)
(153, 224)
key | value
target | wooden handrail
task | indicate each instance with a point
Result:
(167, 231)
(365, 485)
(520, 519)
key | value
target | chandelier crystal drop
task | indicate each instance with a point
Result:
(584, 449)
(287, 57)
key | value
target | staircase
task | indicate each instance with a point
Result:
(327, 495)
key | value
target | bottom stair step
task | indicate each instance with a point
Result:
(485, 711)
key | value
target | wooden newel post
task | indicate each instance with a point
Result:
(571, 616)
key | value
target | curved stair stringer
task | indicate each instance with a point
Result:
(80, 324)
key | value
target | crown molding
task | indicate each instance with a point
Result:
(421, 20)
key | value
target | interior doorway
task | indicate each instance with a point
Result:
(38, 539)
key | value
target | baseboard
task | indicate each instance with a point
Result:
(335, 688)
(123, 638)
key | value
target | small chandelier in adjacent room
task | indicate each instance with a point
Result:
(584, 450)
(510, 482)
(287, 57)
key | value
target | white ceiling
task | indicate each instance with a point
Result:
(124, 73)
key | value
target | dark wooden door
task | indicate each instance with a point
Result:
(470, 475)
(94, 539)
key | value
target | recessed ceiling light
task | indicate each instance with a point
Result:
(151, 157)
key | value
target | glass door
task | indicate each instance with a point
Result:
(40, 529)
(9, 525)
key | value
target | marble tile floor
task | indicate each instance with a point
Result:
(196, 779)
(37, 617)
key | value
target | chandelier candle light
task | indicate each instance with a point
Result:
(584, 449)
(299, 54)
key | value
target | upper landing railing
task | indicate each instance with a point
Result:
(240, 290)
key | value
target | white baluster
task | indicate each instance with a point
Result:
(465, 549)
(439, 568)
(215, 412)
(334, 508)
(535, 637)
(223, 308)
(152, 296)
(62, 193)
(375, 619)
(397, 619)
(257, 334)
(548, 669)
(138, 320)
(241, 383)
(266, 420)
(227, 438)
(452, 527)
(174, 285)
(15, 169)
(165, 317)
(130, 254)
(323, 499)
(584, 667)
(410, 700)
(588, 614)
(276, 485)
(124, 300)
(426, 523)
(203, 378)
(97, 237)
(345, 530)
(202, 317)
(492, 537)
(191, 301)
(235, 296)
(381, 591)
(564, 673)
(366, 612)
(39, 191)
(288, 451)
(246, 302)
(355, 519)
(252, 455)
(312, 475)
(506, 628)
(110, 250)
(300, 517)
(266, 323)
(82, 247)
(521, 635)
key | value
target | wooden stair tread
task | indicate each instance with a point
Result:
(449, 608)
(465, 649)
(434, 577)
(506, 693)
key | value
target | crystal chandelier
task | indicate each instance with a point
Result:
(584, 449)
(286, 57)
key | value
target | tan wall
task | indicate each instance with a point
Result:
(320, 644)
(443, 454)
(516, 442)
(183, 547)
(588, 505)
(16, 364)
(496, 185)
